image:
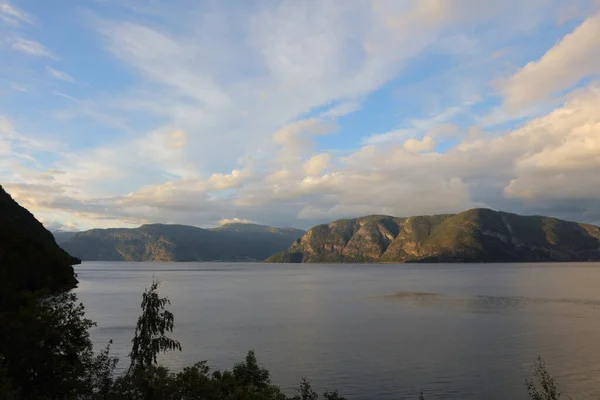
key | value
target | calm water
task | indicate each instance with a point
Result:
(372, 331)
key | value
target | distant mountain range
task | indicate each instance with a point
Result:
(477, 235)
(30, 259)
(160, 242)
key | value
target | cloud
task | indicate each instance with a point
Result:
(31, 47)
(295, 140)
(210, 126)
(11, 15)
(434, 125)
(179, 138)
(547, 164)
(228, 181)
(63, 76)
(235, 220)
(17, 87)
(573, 58)
(64, 95)
(317, 163)
(563, 154)
(6, 126)
(342, 109)
(443, 131)
(391, 136)
(55, 226)
(417, 146)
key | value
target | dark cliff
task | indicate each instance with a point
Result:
(30, 259)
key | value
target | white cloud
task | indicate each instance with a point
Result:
(31, 47)
(55, 226)
(563, 153)
(317, 163)
(6, 126)
(63, 95)
(235, 220)
(443, 131)
(209, 101)
(63, 76)
(575, 57)
(228, 181)
(391, 136)
(417, 146)
(342, 109)
(549, 164)
(11, 15)
(295, 140)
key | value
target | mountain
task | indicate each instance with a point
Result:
(477, 235)
(30, 259)
(63, 236)
(160, 242)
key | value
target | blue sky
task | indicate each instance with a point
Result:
(118, 113)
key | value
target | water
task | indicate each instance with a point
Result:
(371, 331)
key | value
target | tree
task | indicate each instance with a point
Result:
(47, 352)
(248, 381)
(546, 382)
(305, 392)
(333, 396)
(6, 390)
(150, 333)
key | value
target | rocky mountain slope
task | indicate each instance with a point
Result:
(30, 259)
(477, 235)
(159, 242)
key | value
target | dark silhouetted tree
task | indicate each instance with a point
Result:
(545, 387)
(305, 392)
(150, 333)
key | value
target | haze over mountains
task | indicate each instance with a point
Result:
(161, 242)
(477, 235)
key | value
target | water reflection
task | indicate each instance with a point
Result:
(484, 303)
(373, 331)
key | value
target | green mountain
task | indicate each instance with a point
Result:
(30, 259)
(160, 242)
(478, 235)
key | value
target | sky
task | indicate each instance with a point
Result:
(116, 113)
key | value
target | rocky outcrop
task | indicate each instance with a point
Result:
(477, 235)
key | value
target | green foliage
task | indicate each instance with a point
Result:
(47, 351)
(333, 396)
(154, 382)
(305, 391)
(101, 374)
(6, 389)
(543, 386)
(150, 333)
